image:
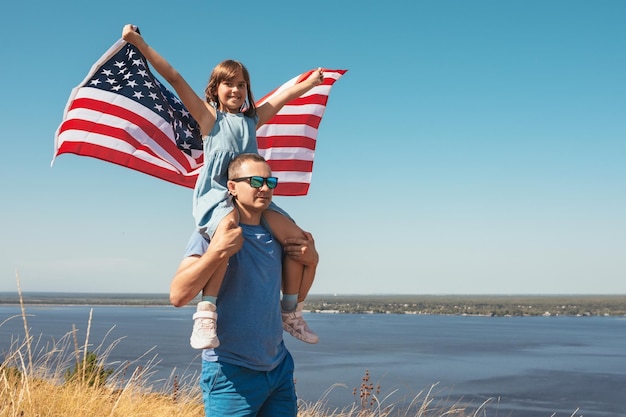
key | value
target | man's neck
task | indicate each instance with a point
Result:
(252, 219)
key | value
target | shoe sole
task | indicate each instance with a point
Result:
(202, 344)
(299, 336)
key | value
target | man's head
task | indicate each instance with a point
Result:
(251, 183)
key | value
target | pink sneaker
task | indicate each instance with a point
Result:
(204, 334)
(294, 324)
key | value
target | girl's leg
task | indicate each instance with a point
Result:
(295, 282)
(282, 229)
(308, 275)
(204, 334)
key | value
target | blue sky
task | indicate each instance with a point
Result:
(473, 147)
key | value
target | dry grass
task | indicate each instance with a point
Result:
(34, 382)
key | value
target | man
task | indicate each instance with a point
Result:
(251, 372)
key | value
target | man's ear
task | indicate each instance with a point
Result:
(231, 187)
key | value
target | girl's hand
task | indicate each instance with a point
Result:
(316, 77)
(130, 34)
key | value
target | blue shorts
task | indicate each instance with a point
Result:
(235, 391)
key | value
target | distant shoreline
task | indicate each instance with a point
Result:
(483, 305)
(113, 299)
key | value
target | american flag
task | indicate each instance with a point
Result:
(121, 113)
(287, 141)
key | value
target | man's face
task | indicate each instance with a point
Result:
(248, 197)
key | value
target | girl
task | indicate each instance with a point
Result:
(228, 121)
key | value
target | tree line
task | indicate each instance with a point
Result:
(487, 305)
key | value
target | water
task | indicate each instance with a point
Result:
(525, 366)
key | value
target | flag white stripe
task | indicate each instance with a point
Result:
(285, 154)
(286, 130)
(322, 90)
(305, 109)
(285, 177)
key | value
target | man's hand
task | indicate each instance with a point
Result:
(193, 270)
(227, 238)
(302, 250)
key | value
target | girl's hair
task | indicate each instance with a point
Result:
(224, 71)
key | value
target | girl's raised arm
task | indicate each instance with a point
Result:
(269, 109)
(200, 110)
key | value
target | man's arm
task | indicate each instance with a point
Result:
(193, 270)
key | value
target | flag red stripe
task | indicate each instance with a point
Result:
(295, 165)
(291, 189)
(295, 119)
(312, 99)
(266, 142)
(126, 160)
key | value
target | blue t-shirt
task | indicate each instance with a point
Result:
(232, 135)
(249, 324)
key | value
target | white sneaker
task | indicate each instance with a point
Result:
(204, 334)
(294, 324)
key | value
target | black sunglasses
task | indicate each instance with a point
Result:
(257, 182)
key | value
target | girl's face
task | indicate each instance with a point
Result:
(232, 93)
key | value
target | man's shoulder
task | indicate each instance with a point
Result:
(197, 244)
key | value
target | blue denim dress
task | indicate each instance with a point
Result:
(232, 134)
